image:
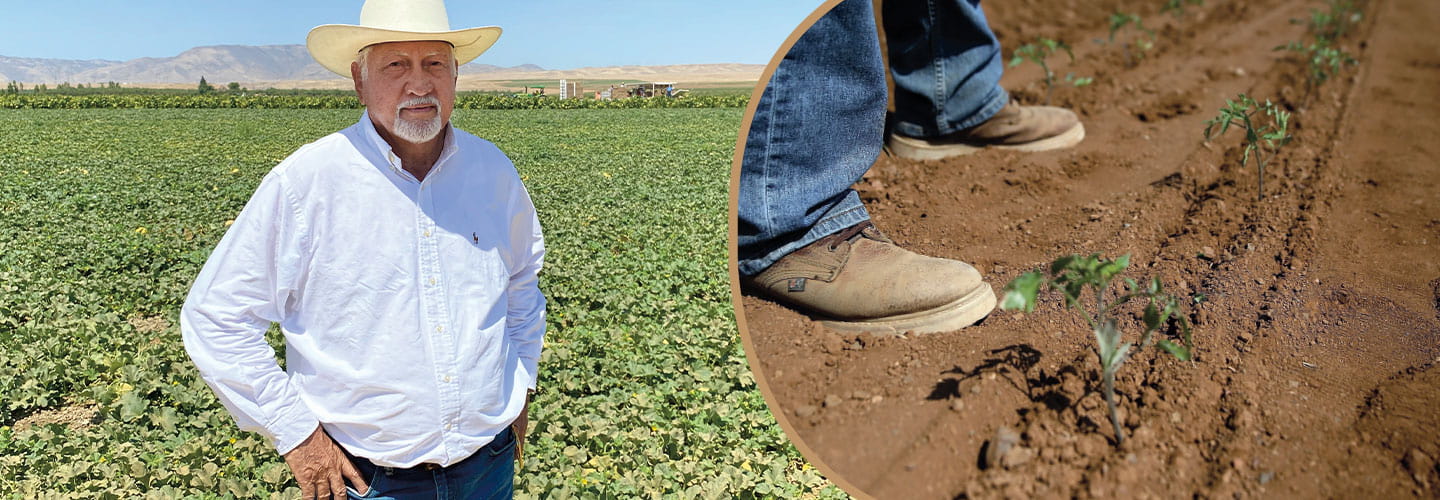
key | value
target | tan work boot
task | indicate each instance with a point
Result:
(858, 280)
(1021, 128)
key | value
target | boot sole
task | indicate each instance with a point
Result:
(965, 311)
(920, 149)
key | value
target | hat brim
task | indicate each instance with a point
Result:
(334, 46)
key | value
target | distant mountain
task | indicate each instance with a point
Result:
(45, 70)
(218, 64)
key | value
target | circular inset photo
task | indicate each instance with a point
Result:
(1074, 250)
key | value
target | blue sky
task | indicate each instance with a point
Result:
(559, 34)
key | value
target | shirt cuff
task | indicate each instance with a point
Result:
(292, 427)
(529, 372)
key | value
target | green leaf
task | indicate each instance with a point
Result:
(1107, 338)
(1020, 292)
(1151, 317)
(1062, 263)
(132, 406)
(1179, 351)
(1108, 269)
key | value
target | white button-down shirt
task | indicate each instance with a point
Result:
(411, 311)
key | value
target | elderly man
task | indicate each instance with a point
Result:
(400, 258)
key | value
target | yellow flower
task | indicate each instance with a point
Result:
(232, 441)
(229, 222)
(142, 230)
(234, 170)
(746, 466)
(606, 174)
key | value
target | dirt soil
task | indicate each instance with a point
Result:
(1320, 332)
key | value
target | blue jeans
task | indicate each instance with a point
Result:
(488, 474)
(820, 123)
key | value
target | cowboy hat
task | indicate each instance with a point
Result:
(335, 46)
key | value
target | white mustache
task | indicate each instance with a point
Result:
(418, 101)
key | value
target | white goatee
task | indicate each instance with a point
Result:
(418, 131)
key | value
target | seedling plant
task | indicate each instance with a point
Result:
(1323, 61)
(1177, 7)
(1262, 140)
(1071, 276)
(1143, 40)
(1330, 25)
(1039, 52)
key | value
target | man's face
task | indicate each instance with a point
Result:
(409, 88)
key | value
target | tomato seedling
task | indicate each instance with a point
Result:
(1071, 276)
(1329, 25)
(1143, 40)
(1262, 140)
(1038, 53)
(1177, 7)
(1323, 61)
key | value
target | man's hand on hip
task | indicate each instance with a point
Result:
(322, 468)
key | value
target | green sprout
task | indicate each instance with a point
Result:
(1071, 275)
(1038, 52)
(1262, 141)
(1329, 25)
(1143, 41)
(1322, 62)
(1177, 7)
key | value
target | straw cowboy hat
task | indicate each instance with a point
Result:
(335, 46)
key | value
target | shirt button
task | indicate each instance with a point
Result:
(433, 281)
(447, 427)
(427, 233)
(447, 379)
(439, 329)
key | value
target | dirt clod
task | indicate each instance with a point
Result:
(999, 446)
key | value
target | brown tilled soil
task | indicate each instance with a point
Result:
(1320, 330)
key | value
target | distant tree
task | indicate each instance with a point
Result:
(204, 87)
(234, 87)
(41, 87)
(11, 89)
(112, 85)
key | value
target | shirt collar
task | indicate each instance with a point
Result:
(449, 149)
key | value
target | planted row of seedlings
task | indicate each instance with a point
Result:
(1267, 130)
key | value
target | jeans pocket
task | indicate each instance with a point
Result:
(372, 482)
(504, 443)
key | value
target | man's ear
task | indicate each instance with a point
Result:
(359, 83)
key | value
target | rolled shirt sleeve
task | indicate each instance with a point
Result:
(246, 284)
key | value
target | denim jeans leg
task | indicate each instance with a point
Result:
(817, 129)
(946, 64)
(490, 472)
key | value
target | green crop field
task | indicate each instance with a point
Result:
(107, 215)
